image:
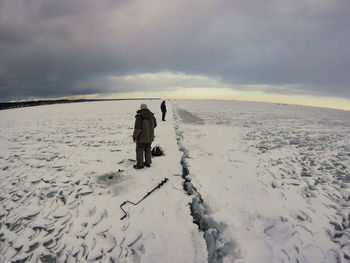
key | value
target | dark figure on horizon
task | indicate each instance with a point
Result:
(163, 109)
(143, 136)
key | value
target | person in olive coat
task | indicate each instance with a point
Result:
(163, 109)
(143, 136)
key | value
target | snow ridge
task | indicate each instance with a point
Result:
(217, 246)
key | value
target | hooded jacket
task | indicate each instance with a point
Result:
(145, 122)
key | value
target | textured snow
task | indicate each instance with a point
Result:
(64, 172)
(277, 176)
(268, 183)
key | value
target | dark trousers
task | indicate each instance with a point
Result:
(163, 115)
(140, 149)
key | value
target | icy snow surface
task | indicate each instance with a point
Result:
(248, 182)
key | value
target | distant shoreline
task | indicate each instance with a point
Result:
(22, 104)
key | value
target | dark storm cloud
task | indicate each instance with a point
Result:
(58, 48)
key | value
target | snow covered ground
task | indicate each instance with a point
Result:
(247, 182)
(275, 178)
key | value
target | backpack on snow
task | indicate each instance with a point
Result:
(157, 151)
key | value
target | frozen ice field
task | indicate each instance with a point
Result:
(247, 182)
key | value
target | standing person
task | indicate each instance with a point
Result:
(143, 136)
(163, 109)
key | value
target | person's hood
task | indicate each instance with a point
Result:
(145, 114)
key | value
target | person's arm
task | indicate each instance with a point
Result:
(155, 121)
(137, 128)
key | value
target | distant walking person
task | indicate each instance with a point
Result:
(163, 108)
(143, 136)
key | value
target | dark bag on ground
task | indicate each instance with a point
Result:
(157, 151)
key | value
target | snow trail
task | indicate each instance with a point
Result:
(219, 248)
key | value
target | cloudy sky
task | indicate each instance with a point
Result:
(294, 51)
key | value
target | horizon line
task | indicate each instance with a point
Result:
(62, 100)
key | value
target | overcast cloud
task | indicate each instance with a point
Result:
(52, 48)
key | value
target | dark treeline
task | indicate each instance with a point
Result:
(21, 104)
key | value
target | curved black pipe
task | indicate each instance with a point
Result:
(155, 188)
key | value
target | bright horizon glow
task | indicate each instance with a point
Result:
(178, 85)
(224, 94)
(313, 101)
